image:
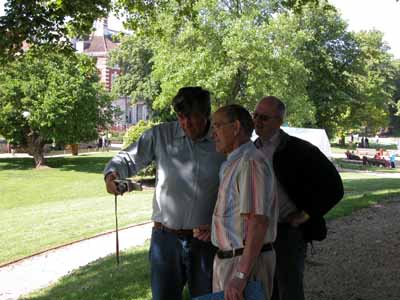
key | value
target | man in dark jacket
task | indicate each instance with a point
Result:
(308, 187)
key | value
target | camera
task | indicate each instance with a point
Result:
(127, 185)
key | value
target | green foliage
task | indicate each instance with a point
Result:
(375, 84)
(348, 75)
(328, 52)
(47, 23)
(235, 51)
(46, 95)
(134, 60)
(51, 24)
(242, 50)
(135, 131)
(142, 15)
(132, 135)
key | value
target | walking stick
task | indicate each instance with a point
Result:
(123, 185)
(116, 230)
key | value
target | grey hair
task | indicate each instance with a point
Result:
(237, 112)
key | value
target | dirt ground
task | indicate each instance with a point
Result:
(360, 259)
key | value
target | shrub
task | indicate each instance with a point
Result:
(132, 135)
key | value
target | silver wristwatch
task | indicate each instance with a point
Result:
(240, 275)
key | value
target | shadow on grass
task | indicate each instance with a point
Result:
(81, 163)
(21, 163)
(352, 203)
(104, 280)
(361, 185)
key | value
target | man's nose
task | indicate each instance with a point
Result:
(186, 122)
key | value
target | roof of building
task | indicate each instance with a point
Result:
(99, 44)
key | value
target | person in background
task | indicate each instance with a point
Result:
(366, 142)
(99, 143)
(392, 159)
(185, 195)
(308, 186)
(245, 215)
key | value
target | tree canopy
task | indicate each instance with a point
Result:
(47, 23)
(241, 50)
(53, 23)
(236, 54)
(45, 97)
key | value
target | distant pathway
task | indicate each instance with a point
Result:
(40, 271)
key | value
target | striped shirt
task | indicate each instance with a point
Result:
(247, 185)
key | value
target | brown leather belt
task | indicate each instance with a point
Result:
(236, 252)
(178, 232)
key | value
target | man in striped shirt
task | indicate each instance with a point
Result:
(245, 216)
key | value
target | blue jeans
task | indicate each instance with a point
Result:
(176, 261)
(290, 248)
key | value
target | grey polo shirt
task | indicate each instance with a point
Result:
(187, 174)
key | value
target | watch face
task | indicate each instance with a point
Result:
(240, 275)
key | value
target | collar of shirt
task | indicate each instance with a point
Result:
(234, 155)
(272, 141)
(269, 146)
(238, 151)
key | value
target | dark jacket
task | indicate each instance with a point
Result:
(310, 180)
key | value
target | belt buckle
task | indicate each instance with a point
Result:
(233, 252)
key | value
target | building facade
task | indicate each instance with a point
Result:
(99, 45)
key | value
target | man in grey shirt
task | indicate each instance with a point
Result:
(185, 195)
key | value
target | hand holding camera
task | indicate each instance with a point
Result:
(127, 185)
(117, 186)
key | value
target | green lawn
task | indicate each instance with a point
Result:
(103, 280)
(40, 209)
(44, 208)
(363, 190)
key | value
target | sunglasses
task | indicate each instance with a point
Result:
(263, 118)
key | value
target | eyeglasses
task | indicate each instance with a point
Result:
(263, 118)
(216, 126)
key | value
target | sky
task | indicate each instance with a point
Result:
(382, 15)
(359, 14)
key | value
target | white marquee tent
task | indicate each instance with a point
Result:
(315, 136)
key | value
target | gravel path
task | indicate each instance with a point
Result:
(40, 271)
(360, 259)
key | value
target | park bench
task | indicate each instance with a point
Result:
(353, 161)
(377, 162)
(366, 151)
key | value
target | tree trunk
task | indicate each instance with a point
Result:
(236, 86)
(342, 140)
(35, 148)
(74, 149)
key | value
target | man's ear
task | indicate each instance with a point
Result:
(237, 128)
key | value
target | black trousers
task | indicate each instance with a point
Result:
(290, 249)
